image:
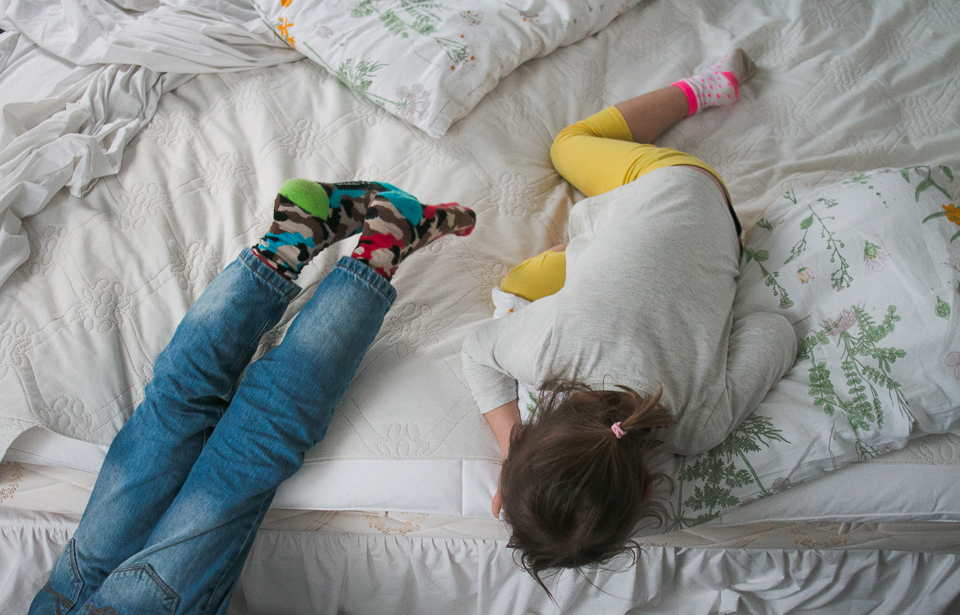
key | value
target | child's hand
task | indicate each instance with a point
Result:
(497, 506)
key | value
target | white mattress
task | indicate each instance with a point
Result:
(918, 483)
(842, 88)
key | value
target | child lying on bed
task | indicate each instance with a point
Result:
(641, 298)
(177, 503)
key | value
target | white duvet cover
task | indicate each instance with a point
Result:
(841, 89)
(78, 80)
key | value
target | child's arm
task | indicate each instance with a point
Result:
(496, 354)
(502, 421)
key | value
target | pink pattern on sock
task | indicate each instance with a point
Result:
(694, 106)
(712, 88)
(734, 82)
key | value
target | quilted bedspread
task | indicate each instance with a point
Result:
(842, 87)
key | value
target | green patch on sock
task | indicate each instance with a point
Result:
(308, 196)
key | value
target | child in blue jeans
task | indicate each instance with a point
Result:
(175, 509)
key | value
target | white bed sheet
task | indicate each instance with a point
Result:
(841, 88)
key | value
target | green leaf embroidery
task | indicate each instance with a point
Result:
(420, 17)
(718, 472)
(769, 277)
(943, 309)
(862, 406)
(928, 181)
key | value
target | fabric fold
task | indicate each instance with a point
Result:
(113, 63)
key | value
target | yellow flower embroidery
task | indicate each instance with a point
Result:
(285, 3)
(953, 213)
(283, 27)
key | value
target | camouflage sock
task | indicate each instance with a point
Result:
(308, 216)
(395, 228)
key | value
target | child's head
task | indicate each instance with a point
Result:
(573, 491)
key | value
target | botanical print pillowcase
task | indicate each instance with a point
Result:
(868, 272)
(431, 62)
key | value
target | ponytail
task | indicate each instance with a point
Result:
(646, 416)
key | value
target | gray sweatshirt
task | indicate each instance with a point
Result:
(648, 298)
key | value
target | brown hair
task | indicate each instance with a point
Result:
(573, 492)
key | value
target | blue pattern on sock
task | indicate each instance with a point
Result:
(272, 241)
(338, 194)
(406, 203)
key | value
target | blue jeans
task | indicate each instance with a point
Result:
(188, 479)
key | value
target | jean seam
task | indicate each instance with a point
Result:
(253, 266)
(59, 598)
(252, 529)
(154, 576)
(71, 552)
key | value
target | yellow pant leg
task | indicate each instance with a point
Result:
(537, 277)
(598, 154)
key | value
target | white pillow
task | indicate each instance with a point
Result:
(431, 62)
(867, 270)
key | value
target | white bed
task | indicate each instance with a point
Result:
(843, 88)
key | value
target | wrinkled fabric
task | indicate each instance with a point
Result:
(336, 572)
(103, 71)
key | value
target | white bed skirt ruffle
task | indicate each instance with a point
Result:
(319, 573)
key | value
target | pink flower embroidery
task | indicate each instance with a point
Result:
(805, 275)
(953, 263)
(953, 360)
(413, 101)
(839, 324)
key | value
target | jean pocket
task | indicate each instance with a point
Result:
(63, 589)
(132, 590)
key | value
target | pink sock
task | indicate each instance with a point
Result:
(719, 85)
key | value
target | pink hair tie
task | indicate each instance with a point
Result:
(618, 430)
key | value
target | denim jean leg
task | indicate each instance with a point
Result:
(151, 457)
(281, 409)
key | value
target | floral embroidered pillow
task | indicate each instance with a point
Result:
(868, 270)
(431, 62)
(868, 273)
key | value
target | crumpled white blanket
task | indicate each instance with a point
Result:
(80, 78)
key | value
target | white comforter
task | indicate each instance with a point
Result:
(78, 80)
(841, 89)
